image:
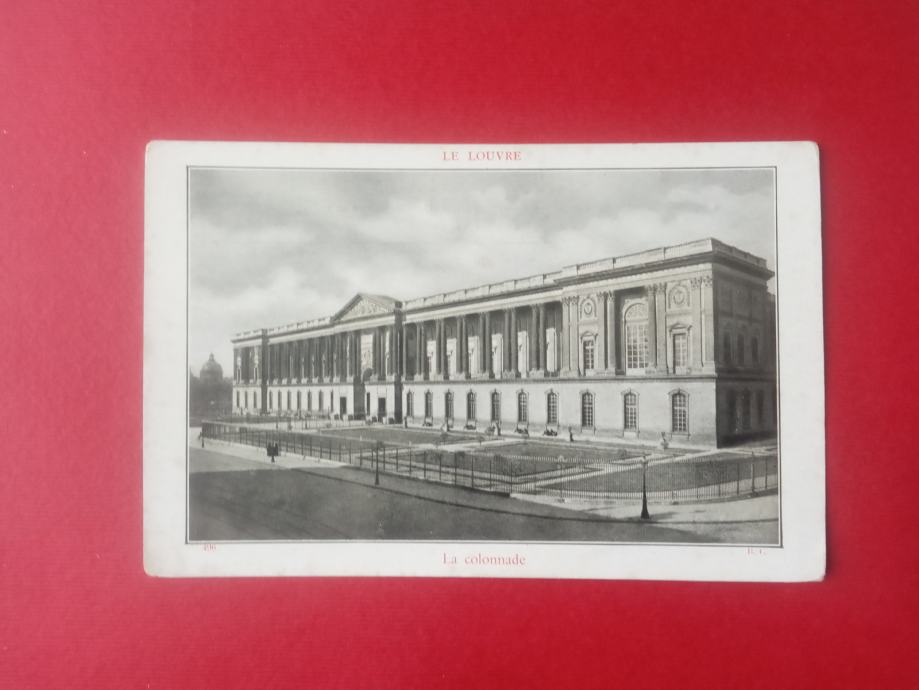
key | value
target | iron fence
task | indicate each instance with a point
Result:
(664, 478)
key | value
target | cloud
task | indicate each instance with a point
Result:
(275, 246)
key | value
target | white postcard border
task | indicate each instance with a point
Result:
(801, 555)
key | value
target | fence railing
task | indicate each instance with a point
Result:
(664, 479)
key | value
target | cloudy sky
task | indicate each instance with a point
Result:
(269, 247)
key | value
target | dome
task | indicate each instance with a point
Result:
(211, 371)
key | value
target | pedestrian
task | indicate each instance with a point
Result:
(570, 435)
(201, 436)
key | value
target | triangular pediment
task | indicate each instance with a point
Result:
(363, 305)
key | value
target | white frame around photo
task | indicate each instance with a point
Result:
(801, 552)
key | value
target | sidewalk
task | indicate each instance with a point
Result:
(752, 509)
(253, 454)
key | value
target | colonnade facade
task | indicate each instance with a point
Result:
(678, 341)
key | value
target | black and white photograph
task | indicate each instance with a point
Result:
(482, 359)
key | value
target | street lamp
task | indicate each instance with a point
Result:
(645, 515)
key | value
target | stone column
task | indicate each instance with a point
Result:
(652, 327)
(611, 344)
(392, 351)
(505, 344)
(460, 349)
(563, 337)
(435, 364)
(600, 353)
(419, 355)
(660, 311)
(573, 321)
(533, 340)
(695, 297)
(404, 343)
(515, 365)
(485, 344)
(541, 339)
(707, 325)
(444, 361)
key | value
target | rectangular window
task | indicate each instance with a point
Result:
(630, 420)
(428, 405)
(552, 408)
(679, 413)
(448, 406)
(237, 398)
(495, 407)
(246, 399)
(409, 405)
(680, 350)
(288, 400)
(587, 410)
(588, 354)
(299, 401)
(760, 408)
(470, 407)
(522, 415)
(636, 346)
(270, 400)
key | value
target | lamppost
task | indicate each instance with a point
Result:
(645, 515)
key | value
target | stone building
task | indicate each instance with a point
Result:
(678, 341)
(209, 393)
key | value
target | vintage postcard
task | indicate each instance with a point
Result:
(574, 361)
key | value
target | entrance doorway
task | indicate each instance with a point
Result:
(381, 408)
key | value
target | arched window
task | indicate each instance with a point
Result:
(726, 353)
(630, 412)
(409, 404)
(588, 348)
(495, 406)
(552, 408)
(428, 405)
(470, 406)
(679, 412)
(741, 347)
(754, 349)
(636, 338)
(522, 413)
(448, 406)
(587, 410)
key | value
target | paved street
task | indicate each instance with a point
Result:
(237, 496)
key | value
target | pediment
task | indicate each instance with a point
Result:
(362, 306)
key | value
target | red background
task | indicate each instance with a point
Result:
(84, 86)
